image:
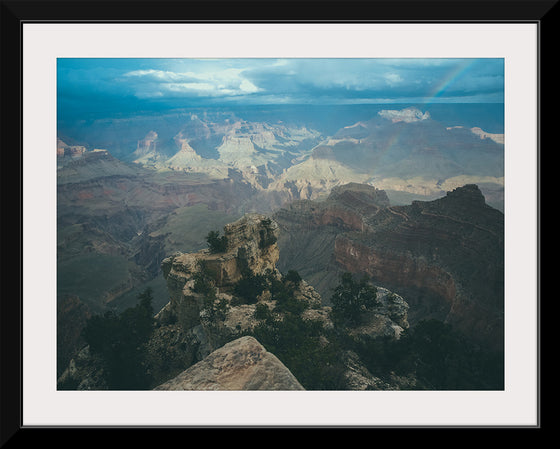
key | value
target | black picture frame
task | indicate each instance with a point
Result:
(16, 13)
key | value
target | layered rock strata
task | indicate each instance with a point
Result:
(251, 249)
(199, 339)
(446, 256)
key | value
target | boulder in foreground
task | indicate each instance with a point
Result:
(243, 364)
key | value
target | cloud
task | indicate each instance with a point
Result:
(393, 78)
(215, 83)
(407, 115)
(130, 84)
(345, 80)
(248, 87)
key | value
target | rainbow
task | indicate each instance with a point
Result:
(457, 72)
(392, 141)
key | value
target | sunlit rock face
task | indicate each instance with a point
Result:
(243, 364)
(251, 248)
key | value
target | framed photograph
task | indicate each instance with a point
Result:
(257, 215)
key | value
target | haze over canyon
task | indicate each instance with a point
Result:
(237, 238)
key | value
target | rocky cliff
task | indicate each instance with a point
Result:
(251, 253)
(251, 249)
(206, 337)
(445, 256)
(309, 230)
(191, 278)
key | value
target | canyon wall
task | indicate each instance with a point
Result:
(446, 256)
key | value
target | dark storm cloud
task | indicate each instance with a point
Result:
(123, 85)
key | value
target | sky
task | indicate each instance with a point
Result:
(121, 86)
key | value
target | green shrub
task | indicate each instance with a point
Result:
(262, 312)
(119, 341)
(445, 359)
(217, 309)
(297, 343)
(351, 299)
(439, 357)
(293, 277)
(216, 244)
(249, 287)
(282, 291)
(287, 303)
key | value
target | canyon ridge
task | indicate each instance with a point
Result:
(409, 206)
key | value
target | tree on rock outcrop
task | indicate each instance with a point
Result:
(216, 244)
(293, 277)
(351, 299)
(249, 287)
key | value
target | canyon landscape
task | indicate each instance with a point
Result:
(208, 244)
